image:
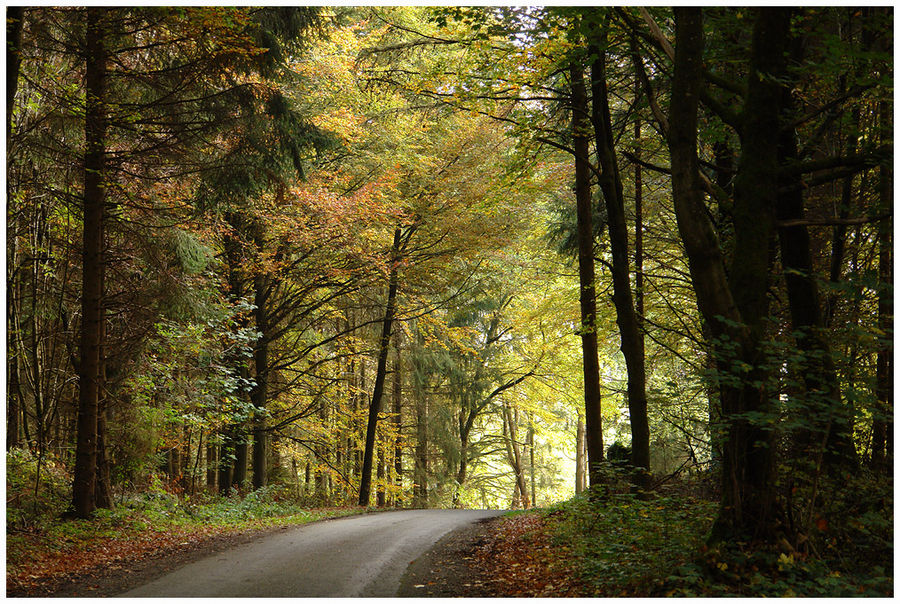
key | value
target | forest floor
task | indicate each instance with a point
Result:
(623, 546)
(99, 558)
(619, 546)
(508, 557)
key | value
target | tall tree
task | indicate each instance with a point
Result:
(586, 274)
(397, 248)
(95, 184)
(632, 342)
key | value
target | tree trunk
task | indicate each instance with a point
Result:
(241, 449)
(421, 454)
(828, 423)
(103, 485)
(14, 17)
(587, 293)
(733, 307)
(226, 466)
(398, 423)
(210, 466)
(83, 485)
(882, 422)
(381, 371)
(259, 394)
(531, 460)
(579, 456)
(381, 496)
(632, 341)
(514, 454)
(14, 401)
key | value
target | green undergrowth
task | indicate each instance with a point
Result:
(158, 511)
(272, 505)
(621, 545)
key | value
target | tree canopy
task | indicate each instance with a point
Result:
(454, 256)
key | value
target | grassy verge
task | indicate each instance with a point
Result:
(142, 526)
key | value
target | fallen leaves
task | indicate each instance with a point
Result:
(521, 561)
(39, 560)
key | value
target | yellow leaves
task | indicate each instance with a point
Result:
(785, 561)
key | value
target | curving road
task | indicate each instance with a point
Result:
(348, 557)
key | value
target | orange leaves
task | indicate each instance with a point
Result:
(522, 562)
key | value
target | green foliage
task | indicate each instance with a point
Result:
(158, 506)
(751, 571)
(623, 545)
(37, 488)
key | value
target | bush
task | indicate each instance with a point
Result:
(37, 489)
(622, 545)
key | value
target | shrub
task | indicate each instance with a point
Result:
(37, 488)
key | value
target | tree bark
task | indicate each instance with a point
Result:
(14, 18)
(632, 341)
(381, 371)
(514, 454)
(463, 471)
(734, 306)
(260, 392)
(421, 454)
(882, 423)
(586, 277)
(381, 496)
(83, 485)
(828, 423)
(226, 466)
(210, 466)
(579, 456)
(241, 450)
(531, 460)
(398, 423)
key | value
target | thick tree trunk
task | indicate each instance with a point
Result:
(586, 278)
(734, 307)
(241, 450)
(225, 470)
(84, 480)
(632, 341)
(380, 373)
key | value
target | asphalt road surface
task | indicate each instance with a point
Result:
(348, 557)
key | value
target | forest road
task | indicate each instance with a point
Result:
(347, 557)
